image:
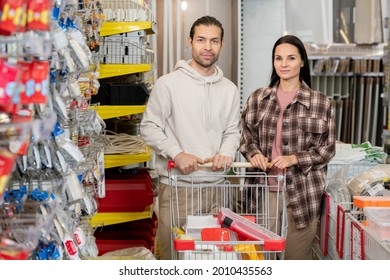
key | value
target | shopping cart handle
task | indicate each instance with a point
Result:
(233, 164)
(171, 164)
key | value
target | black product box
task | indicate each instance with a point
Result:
(121, 94)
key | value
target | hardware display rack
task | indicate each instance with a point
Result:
(129, 200)
(53, 170)
(353, 77)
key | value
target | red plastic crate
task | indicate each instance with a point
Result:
(128, 174)
(105, 246)
(126, 195)
(127, 231)
(146, 225)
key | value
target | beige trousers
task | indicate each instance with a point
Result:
(298, 241)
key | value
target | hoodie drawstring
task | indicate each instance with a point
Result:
(209, 104)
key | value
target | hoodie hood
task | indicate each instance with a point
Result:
(184, 66)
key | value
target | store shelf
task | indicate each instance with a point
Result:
(113, 70)
(120, 160)
(113, 111)
(106, 219)
(114, 28)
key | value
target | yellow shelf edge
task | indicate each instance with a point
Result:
(111, 218)
(113, 70)
(120, 160)
(116, 27)
(113, 111)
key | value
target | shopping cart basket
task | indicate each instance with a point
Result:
(237, 216)
(335, 226)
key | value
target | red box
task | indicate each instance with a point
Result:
(105, 246)
(126, 195)
(123, 235)
(128, 174)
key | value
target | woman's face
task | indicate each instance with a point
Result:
(287, 62)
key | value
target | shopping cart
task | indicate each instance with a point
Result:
(231, 215)
(335, 231)
(363, 244)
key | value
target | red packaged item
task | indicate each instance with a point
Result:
(7, 161)
(8, 86)
(40, 76)
(250, 230)
(13, 17)
(38, 15)
(217, 234)
(26, 84)
(34, 82)
(10, 250)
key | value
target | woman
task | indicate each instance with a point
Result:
(289, 126)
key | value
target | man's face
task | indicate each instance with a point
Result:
(206, 45)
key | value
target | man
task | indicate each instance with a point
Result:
(192, 117)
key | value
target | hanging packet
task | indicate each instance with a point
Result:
(38, 15)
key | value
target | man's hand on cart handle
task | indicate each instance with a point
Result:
(187, 163)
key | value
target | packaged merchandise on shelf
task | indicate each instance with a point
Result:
(51, 147)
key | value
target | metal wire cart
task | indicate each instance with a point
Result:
(240, 217)
(345, 232)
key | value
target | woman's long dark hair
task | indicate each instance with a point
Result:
(304, 74)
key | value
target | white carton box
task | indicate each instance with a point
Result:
(195, 224)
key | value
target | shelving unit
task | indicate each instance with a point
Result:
(120, 160)
(108, 112)
(124, 51)
(113, 70)
(106, 219)
(114, 28)
(353, 78)
(122, 17)
(115, 47)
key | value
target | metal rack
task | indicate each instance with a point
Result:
(352, 76)
(126, 10)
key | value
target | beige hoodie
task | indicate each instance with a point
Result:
(189, 113)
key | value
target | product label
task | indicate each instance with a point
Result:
(70, 247)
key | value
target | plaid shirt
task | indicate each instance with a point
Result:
(308, 131)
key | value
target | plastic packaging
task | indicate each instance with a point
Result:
(249, 229)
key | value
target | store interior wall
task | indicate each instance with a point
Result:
(174, 24)
(251, 28)
(266, 20)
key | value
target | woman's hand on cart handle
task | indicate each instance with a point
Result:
(283, 162)
(261, 162)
